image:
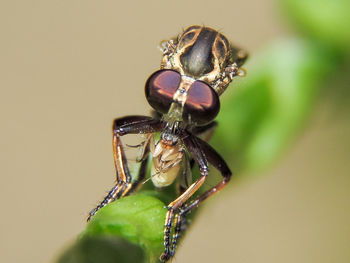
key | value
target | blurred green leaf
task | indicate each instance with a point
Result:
(261, 116)
(325, 20)
(103, 249)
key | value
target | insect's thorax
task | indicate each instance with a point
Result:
(201, 53)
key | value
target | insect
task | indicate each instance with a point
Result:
(196, 68)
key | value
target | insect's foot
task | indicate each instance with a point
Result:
(165, 256)
(91, 214)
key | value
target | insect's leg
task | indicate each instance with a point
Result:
(219, 163)
(180, 223)
(184, 183)
(143, 167)
(199, 157)
(172, 207)
(186, 176)
(129, 125)
(205, 133)
(216, 160)
(123, 126)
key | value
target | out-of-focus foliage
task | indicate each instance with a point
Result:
(103, 249)
(257, 121)
(263, 115)
(260, 117)
(327, 21)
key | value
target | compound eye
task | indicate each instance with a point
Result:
(202, 104)
(160, 88)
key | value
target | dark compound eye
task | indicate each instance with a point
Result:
(160, 89)
(202, 103)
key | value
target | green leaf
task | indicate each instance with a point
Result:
(325, 20)
(137, 218)
(261, 116)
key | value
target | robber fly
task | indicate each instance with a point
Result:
(196, 68)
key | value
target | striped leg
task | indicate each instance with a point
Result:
(201, 152)
(123, 126)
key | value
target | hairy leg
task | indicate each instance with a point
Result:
(123, 126)
(199, 149)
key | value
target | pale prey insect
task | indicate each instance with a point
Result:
(196, 68)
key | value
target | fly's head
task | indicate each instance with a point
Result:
(197, 66)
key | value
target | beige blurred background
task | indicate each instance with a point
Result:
(67, 68)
